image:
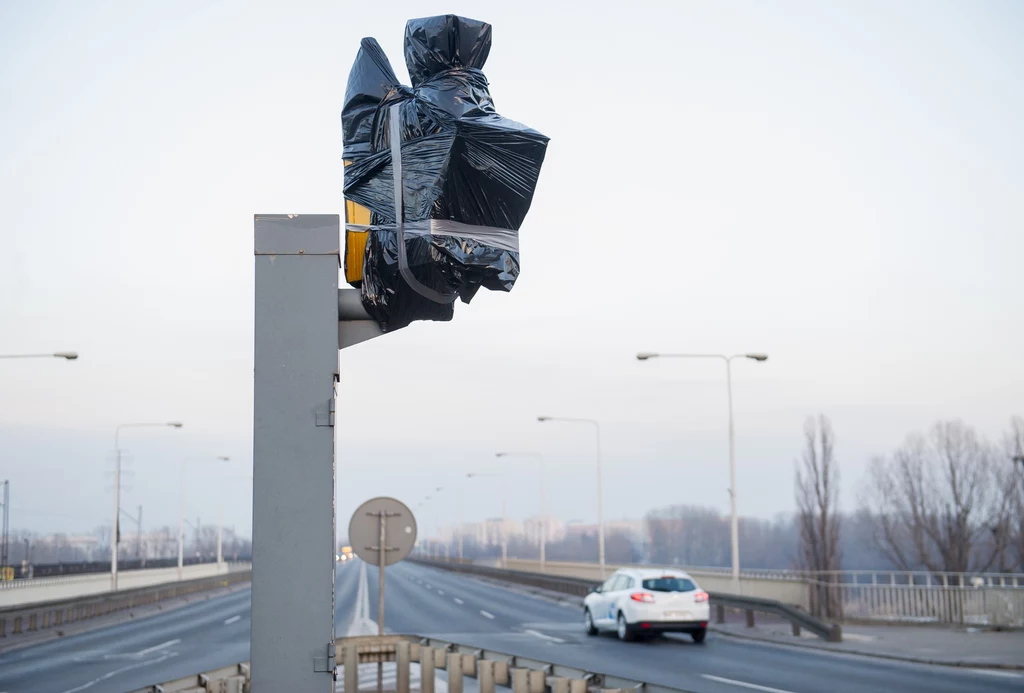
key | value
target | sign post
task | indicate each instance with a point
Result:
(369, 534)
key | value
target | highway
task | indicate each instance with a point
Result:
(430, 602)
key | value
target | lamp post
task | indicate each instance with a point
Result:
(644, 356)
(181, 520)
(67, 355)
(543, 518)
(117, 489)
(504, 518)
(600, 495)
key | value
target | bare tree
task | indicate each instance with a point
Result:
(938, 502)
(817, 500)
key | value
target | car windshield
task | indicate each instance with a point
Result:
(669, 584)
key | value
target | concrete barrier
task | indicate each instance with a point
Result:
(764, 584)
(33, 591)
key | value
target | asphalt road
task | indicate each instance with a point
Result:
(445, 605)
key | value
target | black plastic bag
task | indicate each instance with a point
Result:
(467, 174)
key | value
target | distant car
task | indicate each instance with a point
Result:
(638, 602)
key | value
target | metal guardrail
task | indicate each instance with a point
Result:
(490, 668)
(23, 618)
(581, 586)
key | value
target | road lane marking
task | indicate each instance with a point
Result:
(542, 636)
(231, 620)
(115, 672)
(486, 614)
(440, 592)
(161, 646)
(361, 623)
(459, 601)
(744, 684)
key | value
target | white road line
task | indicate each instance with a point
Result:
(161, 646)
(486, 614)
(440, 592)
(459, 601)
(996, 672)
(542, 636)
(115, 672)
(233, 619)
(744, 684)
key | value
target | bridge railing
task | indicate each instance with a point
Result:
(416, 663)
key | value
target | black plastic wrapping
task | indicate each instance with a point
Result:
(461, 162)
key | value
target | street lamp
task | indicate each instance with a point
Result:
(117, 490)
(600, 500)
(504, 517)
(543, 519)
(181, 520)
(646, 355)
(68, 355)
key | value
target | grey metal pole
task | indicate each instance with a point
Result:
(382, 554)
(600, 502)
(296, 339)
(181, 520)
(117, 517)
(543, 522)
(732, 485)
(504, 530)
(138, 538)
(220, 534)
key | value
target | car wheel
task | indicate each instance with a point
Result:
(588, 623)
(623, 629)
(699, 635)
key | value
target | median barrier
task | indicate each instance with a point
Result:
(26, 618)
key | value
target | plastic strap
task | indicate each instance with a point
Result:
(403, 261)
(506, 239)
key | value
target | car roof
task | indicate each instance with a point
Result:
(647, 573)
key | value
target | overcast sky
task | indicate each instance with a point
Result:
(835, 184)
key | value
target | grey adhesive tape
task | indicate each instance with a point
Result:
(403, 261)
(506, 239)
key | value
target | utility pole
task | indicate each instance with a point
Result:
(138, 537)
(5, 537)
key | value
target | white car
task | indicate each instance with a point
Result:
(637, 602)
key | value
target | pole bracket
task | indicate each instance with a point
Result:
(326, 664)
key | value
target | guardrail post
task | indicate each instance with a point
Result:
(538, 681)
(578, 686)
(454, 672)
(520, 681)
(750, 618)
(469, 665)
(427, 674)
(559, 684)
(719, 614)
(836, 634)
(441, 658)
(501, 673)
(485, 676)
(402, 666)
(796, 629)
(351, 651)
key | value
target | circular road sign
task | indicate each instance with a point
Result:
(364, 530)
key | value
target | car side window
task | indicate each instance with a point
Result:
(630, 584)
(609, 584)
(620, 583)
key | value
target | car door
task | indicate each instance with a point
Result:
(611, 600)
(602, 598)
